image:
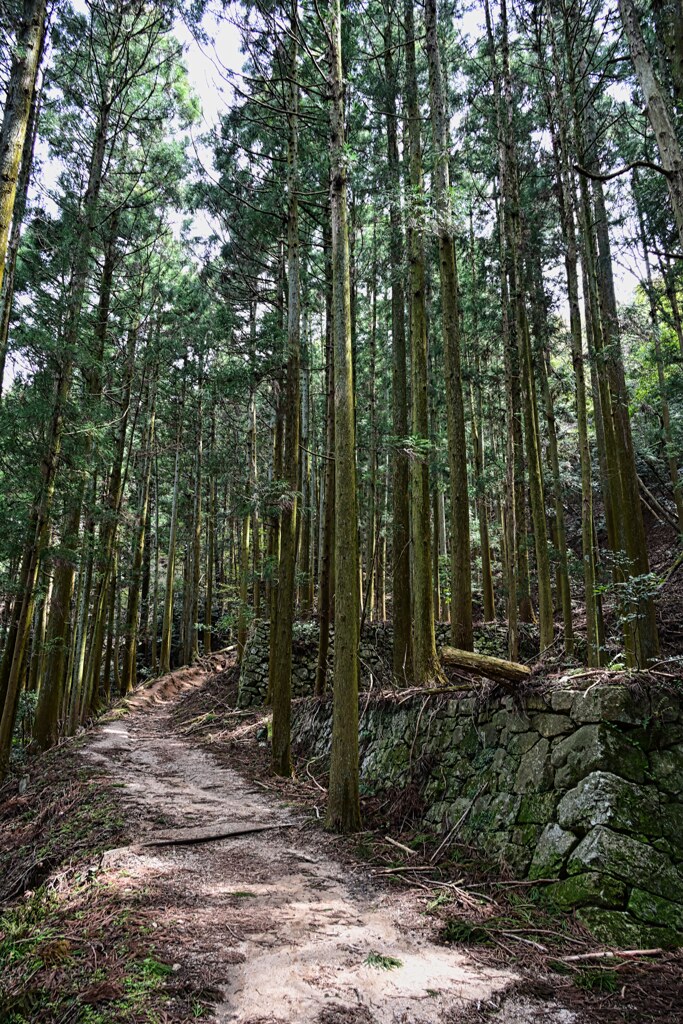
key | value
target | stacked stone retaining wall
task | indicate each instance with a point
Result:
(580, 786)
(375, 655)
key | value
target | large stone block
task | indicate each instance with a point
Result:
(656, 910)
(522, 742)
(609, 704)
(671, 821)
(666, 769)
(591, 888)
(562, 700)
(603, 798)
(534, 773)
(551, 725)
(512, 721)
(551, 852)
(623, 857)
(619, 929)
(594, 748)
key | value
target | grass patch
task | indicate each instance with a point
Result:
(381, 962)
(593, 979)
(465, 933)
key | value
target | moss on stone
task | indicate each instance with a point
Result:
(603, 798)
(551, 852)
(536, 808)
(620, 929)
(656, 910)
(591, 888)
(634, 862)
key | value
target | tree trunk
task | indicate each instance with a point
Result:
(657, 110)
(326, 576)
(343, 807)
(23, 182)
(210, 542)
(461, 599)
(281, 675)
(129, 674)
(425, 662)
(400, 525)
(670, 455)
(167, 619)
(565, 194)
(20, 88)
(477, 417)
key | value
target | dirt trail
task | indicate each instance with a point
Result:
(282, 929)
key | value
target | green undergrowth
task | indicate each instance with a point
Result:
(66, 815)
(75, 953)
(381, 962)
(77, 942)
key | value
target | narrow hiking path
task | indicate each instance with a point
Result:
(282, 928)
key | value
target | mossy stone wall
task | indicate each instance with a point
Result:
(580, 786)
(375, 655)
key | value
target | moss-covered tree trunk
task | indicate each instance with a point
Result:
(461, 584)
(343, 807)
(326, 574)
(27, 49)
(425, 663)
(400, 491)
(281, 665)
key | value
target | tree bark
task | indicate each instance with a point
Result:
(326, 577)
(281, 675)
(343, 807)
(657, 110)
(461, 599)
(400, 526)
(425, 661)
(20, 88)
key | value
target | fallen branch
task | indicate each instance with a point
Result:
(610, 954)
(214, 836)
(657, 508)
(403, 867)
(406, 849)
(528, 942)
(484, 665)
(456, 828)
(433, 691)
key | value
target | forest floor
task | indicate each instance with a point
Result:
(149, 912)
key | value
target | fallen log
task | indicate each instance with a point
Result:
(484, 665)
